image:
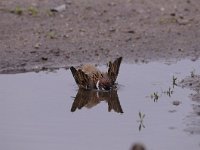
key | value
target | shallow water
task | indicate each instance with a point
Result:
(35, 111)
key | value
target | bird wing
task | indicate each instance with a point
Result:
(113, 69)
(82, 79)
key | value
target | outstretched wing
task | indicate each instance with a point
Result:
(113, 69)
(82, 79)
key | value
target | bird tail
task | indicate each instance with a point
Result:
(113, 69)
(82, 79)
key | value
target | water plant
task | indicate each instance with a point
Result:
(155, 96)
(141, 120)
(174, 79)
(169, 92)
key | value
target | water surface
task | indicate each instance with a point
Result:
(36, 111)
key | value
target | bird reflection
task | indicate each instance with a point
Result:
(91, 98)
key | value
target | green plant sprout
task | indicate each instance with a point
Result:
(51, 34)
(32, 11)
(18, 10)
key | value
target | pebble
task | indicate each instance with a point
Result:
(176, 103)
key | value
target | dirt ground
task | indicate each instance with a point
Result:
(33, 38)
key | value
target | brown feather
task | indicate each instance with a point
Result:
(81, 78)
(88, 75)
(113, 69)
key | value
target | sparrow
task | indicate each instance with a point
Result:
(89, 77)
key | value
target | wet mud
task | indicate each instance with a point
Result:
(193, 82)
(35, 38)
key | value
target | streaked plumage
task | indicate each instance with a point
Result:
(89, 77)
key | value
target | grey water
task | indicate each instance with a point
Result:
(36, 111)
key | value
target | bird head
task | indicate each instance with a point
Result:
(104, 83)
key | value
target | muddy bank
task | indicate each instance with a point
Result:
(34, 38)
(192, 82)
